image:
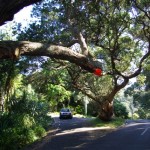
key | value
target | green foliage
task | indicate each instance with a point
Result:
(115, 30)
(147, 75)
(142, 100)
(135, 116)
(93, 109)
(15, 132)
(51, 84)
(76, 102)
(140, 94)
(120, 110)
(141, 113)
(50, 26)
(25, 122)
(39, 131)
(8, 71)
(145, 101)
(79, 109)
(58, 92)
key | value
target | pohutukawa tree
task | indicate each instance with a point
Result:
(116, 32)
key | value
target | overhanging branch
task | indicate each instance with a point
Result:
(138, 71)
(13, 49)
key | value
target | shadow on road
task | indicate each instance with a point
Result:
(77, 133)
(68, 134)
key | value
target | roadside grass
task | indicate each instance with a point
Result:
(96, 122)
(114, 123)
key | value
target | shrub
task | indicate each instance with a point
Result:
(39, 131)
(135, 116)
(15, 133)
(23, 124)
(120, 110)
(79, 110)
(141, 113)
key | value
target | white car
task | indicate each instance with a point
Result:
(65, 113)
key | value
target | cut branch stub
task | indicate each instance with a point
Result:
(98, 72)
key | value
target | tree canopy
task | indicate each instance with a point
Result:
(114, 34)
(75, 25)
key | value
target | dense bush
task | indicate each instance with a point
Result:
(24, 123)
(93, 109)
(120, 110)
(79, 109)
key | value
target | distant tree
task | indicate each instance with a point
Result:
(141, 97)
(49, 84)
(120, 110)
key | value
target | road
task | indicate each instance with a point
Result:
(133, 136)
(76, 134)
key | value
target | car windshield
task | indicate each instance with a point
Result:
(65, 110)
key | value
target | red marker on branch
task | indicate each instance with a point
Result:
(98, 72)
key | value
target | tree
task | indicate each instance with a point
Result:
(118, 30)
(116, 42)
(140, 95)
(147, 75)
(49, 83)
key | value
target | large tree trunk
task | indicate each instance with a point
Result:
(106, 107)
(106, 111)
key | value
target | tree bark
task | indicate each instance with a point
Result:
(106, 111)
(106, 106)
(10, 7)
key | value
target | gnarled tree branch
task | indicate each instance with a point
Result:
(13, 49)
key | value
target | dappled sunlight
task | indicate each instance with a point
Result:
(83, 129)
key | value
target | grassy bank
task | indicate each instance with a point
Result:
(114, 123)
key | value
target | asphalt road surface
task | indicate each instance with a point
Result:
(77, 134)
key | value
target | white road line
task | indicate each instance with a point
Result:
(144, 131)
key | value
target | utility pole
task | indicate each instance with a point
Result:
(1, 99)
(85, 104)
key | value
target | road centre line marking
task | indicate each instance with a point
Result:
(144, 131)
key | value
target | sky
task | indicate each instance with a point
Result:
(23, 16)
